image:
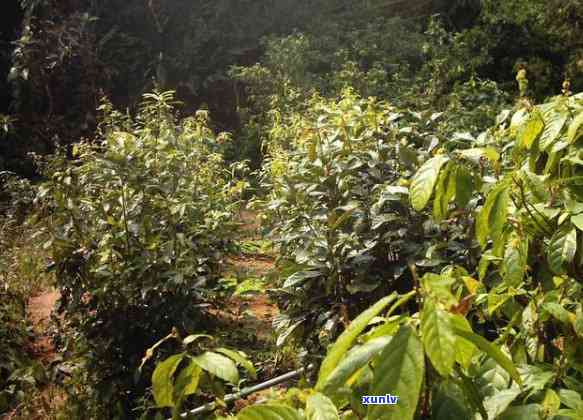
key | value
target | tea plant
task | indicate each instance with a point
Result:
(139, 222)
(198, 369)
(341, 214)
(431, 360)
(516, 190)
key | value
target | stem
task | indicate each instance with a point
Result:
(125, 215)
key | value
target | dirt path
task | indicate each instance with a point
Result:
(246, 314)
(44, 401)
(254, 264)
(39, 312)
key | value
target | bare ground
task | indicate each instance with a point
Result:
(39, 313)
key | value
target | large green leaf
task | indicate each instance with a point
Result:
(424, 181)
(491, 350)
(492, 218)
(439, 287)
(464, 186)
(530, 131)
(355, 359)
(240, 359)
(551, 403)
(162, 380)
(562, 249)
(300, 277)
(570, 398)
(269, 412)
(449, 402)
(536, 185)
(399, 371)
(464, 350)
(344, 342)
(437, 336)
(577, 220)
(554, 123)
(187, 381)
(575, 128)
(218, 365)
(536, 378)
(444, 191)
(515, 261)
(500, 401)
(320, 407)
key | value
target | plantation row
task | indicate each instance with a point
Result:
(373, 194)
(450, 267)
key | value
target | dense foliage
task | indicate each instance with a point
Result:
(139, 221)
(526, 284)
(19, 373)
(414, 177)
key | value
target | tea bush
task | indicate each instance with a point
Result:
(139, 221)
(340, 210)
(525, 293)
(200, 370)
(432, 361)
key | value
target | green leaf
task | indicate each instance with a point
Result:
(499, 402)
(493, 217)
(439, 287)
(535, 378)
(515, 261)
(558, 312)
(449, 402)
(536, 185)
(464, 186)
(530, 132)
(269, 412)
(485, 261)
(424, 181)
(162, 382)
(444, 192)
(343, 343)
(240, 359)
(319, 407)
(437, 336)
(218, 365)
(464, 350)
(570, 398)
(355, 359)
(472, 393)
(343, 218)
(574, 132)
(300, 277)
(522, 412)
(496, 299)
(187, 381)
(554, 124)
(399, 371)
(491, 350)
(476, 154)
(562, 249)
(578, 221)
(551, 402)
